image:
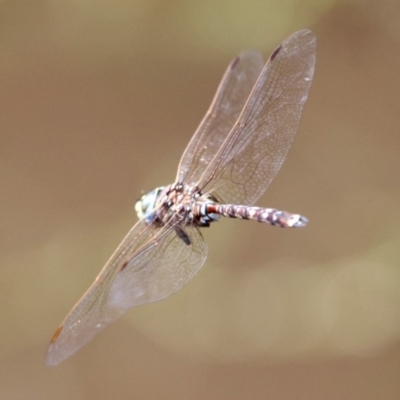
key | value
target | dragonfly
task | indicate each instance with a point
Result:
(231, 159)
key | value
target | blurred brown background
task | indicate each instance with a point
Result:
(98, 100)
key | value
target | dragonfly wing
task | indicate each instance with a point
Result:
(257, 145)
(225, 108)
(149, 265)
(88, 315)
(159, 271)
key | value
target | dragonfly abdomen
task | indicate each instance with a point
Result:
(269, 215)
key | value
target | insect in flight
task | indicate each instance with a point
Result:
(233, 156)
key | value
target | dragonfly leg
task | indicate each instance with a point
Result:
(182, 234)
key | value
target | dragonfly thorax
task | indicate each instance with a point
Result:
(159, 205)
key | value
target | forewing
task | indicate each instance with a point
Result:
(225, 108)
(256, 147)
(149, 265)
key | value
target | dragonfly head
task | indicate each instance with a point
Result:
(147, 203)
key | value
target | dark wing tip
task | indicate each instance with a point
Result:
(275, 53)
(56, 334)
(235, 62)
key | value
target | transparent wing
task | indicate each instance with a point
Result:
(150, 264)
(225, 108)
(257, 145)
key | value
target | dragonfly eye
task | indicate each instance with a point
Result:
(147, 202)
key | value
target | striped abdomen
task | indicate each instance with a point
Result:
(269, 215)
